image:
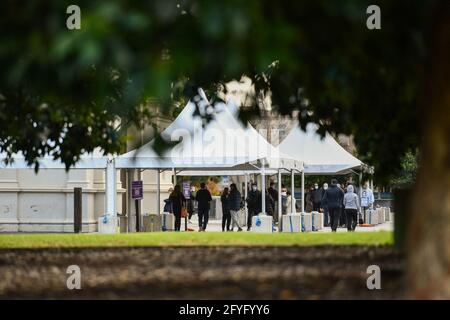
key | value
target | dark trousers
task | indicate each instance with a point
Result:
(316, 206)
(177, 221)
(203, 217)
(251, 213)
(275, 211)
(364, 215)
(226, 220)
(326, 217)
(334, 217)
(343, 218)
(352, 216)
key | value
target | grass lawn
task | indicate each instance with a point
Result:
(13, 241)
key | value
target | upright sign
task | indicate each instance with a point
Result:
(187, 189)
(137, 192)
(225, 181)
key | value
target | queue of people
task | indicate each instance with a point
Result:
(341, 206)
(177, 203)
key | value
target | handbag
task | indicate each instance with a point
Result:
(184, 212)
(360, 218)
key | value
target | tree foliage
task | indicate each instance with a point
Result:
(406, 177)
(63, 92)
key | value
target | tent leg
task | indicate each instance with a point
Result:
(158, 192)
(293, 210)
(110, 188)
(303, 191)
(130, 178)
(279, 201)
(360, 185)
(138, 205)
(245, 197)
(263, 187)
(174, 177)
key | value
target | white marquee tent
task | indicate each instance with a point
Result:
(221, 145)
(320, 156)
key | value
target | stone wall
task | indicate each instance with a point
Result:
(43, 202)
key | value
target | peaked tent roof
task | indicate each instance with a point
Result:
(320, 156)
(256, 144)
(221, 144)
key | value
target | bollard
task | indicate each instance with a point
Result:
(77, 210)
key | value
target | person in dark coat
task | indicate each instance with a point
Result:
(235, 205)
(317, 197)
(309, 200)
(226, 216)
(167, 203)
(343, 216)
(203, 198)
(270, 204)
(274, 195)
(284, 196)
(178, 201)
(333, 198)
(252, 204)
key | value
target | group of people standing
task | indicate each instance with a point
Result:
(254, 203)
(233, 202)
(177, 203)
(340, 205)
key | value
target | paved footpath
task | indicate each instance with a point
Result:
(216, 226)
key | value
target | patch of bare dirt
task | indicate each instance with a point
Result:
(320, 272)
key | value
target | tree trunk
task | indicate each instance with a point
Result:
(428, 251)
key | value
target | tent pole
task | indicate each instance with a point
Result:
(263, 187)
(245, 197)
(158, 192)
(110, 188)
(245, 188)
(303, 191)
(174, 177)
(130, 178)
(293, 210)
(279, 201)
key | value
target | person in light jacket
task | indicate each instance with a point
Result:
(289, 202)
(351, 206)
(367, 199)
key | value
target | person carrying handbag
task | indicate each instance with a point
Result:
(178, 200)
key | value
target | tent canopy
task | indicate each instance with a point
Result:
(222, 144)
(320, 156)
